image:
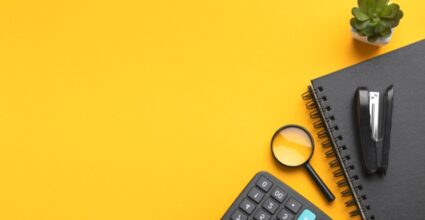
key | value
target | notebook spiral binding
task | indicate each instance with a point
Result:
(332, 140)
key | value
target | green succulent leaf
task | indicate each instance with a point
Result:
(387, 23)
(375, 21)
(375, 18)
(359, 25)
(380, 27)
(366, 4)
(390, 11)
(352, 22)
(395, 23)
(372, 38)
(370, 4)
(361, 34)
(381, 3)
(399, 15)
(359, 14)
(362, 4)
(368, 30)
(372, 12)
(385, 32)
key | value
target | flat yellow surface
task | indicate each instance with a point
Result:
(162, 109)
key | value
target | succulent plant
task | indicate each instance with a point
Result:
(375, 18)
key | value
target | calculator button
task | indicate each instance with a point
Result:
(256, 194)
(293, 205)
(247, 206)
(278, 194)
(270, 205)
(261, 215)
(285, 215)
(307, 215)
(238, 215)
(264, 184)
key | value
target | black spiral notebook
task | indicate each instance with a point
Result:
(400, 194)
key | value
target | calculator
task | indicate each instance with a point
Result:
(267, 198)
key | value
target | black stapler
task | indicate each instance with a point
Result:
(374, 124)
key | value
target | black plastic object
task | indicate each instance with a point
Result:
(265, 197)
(319, 182)
(400, 193)
(374, 137)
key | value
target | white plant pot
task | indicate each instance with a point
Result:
(379, 42)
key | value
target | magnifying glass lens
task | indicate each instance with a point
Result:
(292, 146)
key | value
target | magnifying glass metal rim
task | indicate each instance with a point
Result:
(293, 126)
(319, 182)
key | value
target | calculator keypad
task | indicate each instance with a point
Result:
(264, 184)
(266, 198)
(255, 194)
(293, 205)
(278, 194)
(261, 215)
(270, 205)
(238, 215)
(247, 206)
(285, 215)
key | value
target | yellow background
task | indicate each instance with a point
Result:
(162, 109)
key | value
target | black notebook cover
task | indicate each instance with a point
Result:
(401, 193)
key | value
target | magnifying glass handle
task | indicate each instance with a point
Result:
(323, 188)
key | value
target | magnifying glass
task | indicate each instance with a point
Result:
(293, 146)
